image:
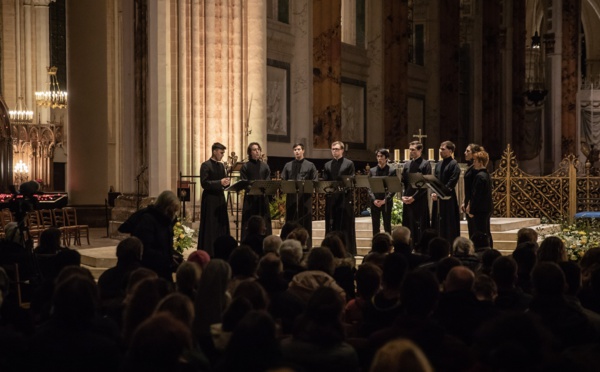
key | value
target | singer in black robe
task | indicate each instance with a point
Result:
(255, 205)
(339, 206)
(415, 211)
(214, 220)
(447, 222)
(382, 203)
(302, 170)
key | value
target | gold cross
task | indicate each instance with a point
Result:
(420, 136)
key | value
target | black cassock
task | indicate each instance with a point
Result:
(255, 205)
(415, 216)
(339, 206)
(214, 221)
(481, 204)
(448, 172)
(300, 170)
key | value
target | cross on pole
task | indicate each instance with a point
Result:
(420, 136)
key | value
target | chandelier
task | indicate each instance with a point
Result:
(535, 81)
(21, 172)
(21, 115)
(53, 97)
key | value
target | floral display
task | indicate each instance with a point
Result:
(183, 237)
(578, 237)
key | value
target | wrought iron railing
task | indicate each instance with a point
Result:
(570, 189)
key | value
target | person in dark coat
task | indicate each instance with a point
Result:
(382, 204)
(447, 221)
(153, 225)
(480, 205)
(415, 213)
(255, 205)
(299, 169)
(339, 207)
(214, 220)
(468, 181)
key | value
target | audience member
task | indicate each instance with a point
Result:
(291, 258)
(187, 278)
(243, 262)
(552, 249)
(569, 325)
(481, 243)
(510, 297)
(400, 355)
(255, 234)
(223, 246)
(464, 250)
(524, 256)
(402, 245)
(487, 260)
(527, 235)
(320, 267)
(381, 245)
(318, 341)
(272, 244)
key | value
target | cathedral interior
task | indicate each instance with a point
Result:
(152, 84)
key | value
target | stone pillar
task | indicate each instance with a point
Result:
(88, 102)
(376, 75)
(255, 40)
(571, 22)
(327, 68)
(395, 43)
(160, 101)
(519, 39)
(449, 36)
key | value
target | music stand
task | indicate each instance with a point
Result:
(328, 188)
(297, 187)
(263, 188)
(237, 188)
(441, 191)
(362, 181)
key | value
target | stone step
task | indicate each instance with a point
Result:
(506, 224)
(103, 257)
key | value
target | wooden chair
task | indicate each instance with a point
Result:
(68, 232)
(6, 216)
(46, 219)
(34, 225)
(71, 221)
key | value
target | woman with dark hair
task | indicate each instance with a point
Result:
(344, 264)
(255, 234)
(468, 182)
(480, 206)
(318, 342)
(552, 249)
(153, 225)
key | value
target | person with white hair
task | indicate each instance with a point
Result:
(291, 257)
(464, 249)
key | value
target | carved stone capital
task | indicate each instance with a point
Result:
(38, 2)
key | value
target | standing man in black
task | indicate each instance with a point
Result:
(480, 205)
(415, 212)
(382, 203)
(299, 169)
(447, 222)
(214, 221)
(339, 206)
(255, 169)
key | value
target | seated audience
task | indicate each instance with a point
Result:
(552, 249)
(272, 244)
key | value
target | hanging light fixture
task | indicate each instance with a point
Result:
(21, 115)
(534, 69)
(53, 97)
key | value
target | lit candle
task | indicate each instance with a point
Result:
(396, 155)
(431, 154)
(406, 154)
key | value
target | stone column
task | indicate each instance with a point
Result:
(571, 24)
(449, 72)
(88, 102)
(519, 40)
(160, 116)
(255, 48)
(327, 68)
(395, 43)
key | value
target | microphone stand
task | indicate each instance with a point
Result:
(137, 180)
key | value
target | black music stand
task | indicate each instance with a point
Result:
(328, 188)
(264, 188)
(436, 186)
(297, 187)
(381, 185)
(362, 181)
(237, 187)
